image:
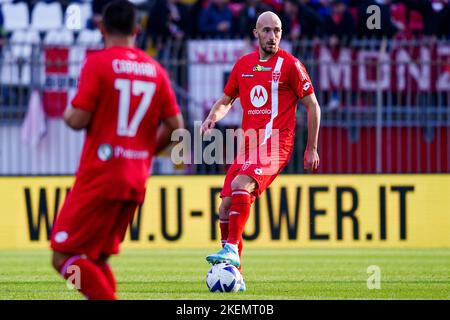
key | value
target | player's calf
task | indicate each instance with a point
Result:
(224, 219)
(104, 266)
(85, 275)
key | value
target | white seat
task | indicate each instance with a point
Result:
(15, 15)
(46, 16)
(22, 41)
(60, 37)
(86, 40)
(77, 16)
(89, 38)
(20, 47)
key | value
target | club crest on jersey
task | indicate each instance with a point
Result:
(261, 68)
(276, 76)
(246, 165)
(258, 96)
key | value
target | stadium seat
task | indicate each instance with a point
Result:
(15, 15)
(77, 15)
(86, 40)
(20, 48)
(46, 16)
(89, 37)
(60, 37)
(22, 42)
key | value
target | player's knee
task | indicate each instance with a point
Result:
(223, 211)
(57, 261)
(243, 183)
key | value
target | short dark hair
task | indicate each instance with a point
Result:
(119, 17)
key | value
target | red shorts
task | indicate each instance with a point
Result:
(91, 225)
(261, 171)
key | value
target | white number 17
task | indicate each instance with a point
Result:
(126, 88)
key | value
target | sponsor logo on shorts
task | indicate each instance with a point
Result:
(258, 171)
(105, 152)
(61, 236)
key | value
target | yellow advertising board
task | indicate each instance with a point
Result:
(297, 211)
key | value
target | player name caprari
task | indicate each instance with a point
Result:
(136, 68)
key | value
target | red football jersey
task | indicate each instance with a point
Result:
(128, 94)
(269, 91)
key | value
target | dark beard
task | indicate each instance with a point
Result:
(268, 51)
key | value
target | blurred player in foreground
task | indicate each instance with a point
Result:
(128, 108)
(269, 83)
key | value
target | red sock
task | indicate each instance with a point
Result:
(223, 230)
(92, 283)
(108, 273)
(239, 212)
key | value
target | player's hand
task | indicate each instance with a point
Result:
(311, 160)
(206, 126)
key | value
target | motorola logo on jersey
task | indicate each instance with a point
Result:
(258, 96)
(254, 112)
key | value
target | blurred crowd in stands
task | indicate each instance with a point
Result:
(302, 19)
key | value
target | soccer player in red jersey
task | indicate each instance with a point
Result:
(128, 108)
(269, 83)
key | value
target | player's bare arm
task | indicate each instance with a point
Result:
(165, 130)
(218, 112)
(311, 158)
(76, 118)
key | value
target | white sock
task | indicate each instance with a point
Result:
(233, 246)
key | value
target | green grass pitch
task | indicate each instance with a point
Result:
(270, 274)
